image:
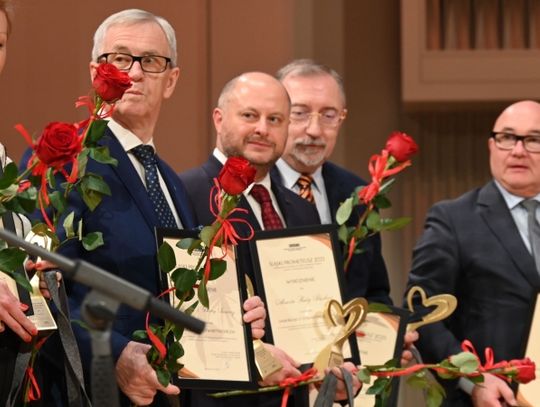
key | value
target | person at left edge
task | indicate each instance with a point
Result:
(127, 218)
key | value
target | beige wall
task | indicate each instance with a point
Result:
(47, 70)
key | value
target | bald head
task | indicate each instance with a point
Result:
(516, 168)
(244, 81)
(251, 119)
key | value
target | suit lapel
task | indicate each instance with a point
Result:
(498, 218)
(131, 180)
(178, 194)
(332, 186)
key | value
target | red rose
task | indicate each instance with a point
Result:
(401, 146)
(58, 145)
(236, 175)
(525, 370)
(110, 83)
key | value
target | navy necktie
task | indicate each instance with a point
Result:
(145, 155)
(534, 229)
(270, 217)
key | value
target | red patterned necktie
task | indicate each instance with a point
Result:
(304, 183)
(271, 220)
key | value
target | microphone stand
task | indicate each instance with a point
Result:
(99, 309)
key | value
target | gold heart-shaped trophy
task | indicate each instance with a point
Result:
(444, 304)
(266, 363)
(349, 316)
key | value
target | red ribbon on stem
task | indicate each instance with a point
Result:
(226, 232)
(291, 382)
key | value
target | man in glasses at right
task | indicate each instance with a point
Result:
(484, 248)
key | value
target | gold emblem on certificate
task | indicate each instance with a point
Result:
(266, 363)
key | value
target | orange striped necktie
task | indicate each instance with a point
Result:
(304, 183)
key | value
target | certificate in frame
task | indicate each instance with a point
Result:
(380, 338)
(297, 271)
(222, 357)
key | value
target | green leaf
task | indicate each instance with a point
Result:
(192, 308)
(465, 361)
(22, 281)
(202, 293)
(394, 224)
(82, 158)
(166, 257)
(11, 259)
(208, 233)
(385, 187)
(95, 182)
(217, 268)
(381, 202)
(185, 243)
(102, 155)
(10, 175)
(343, 234)
(379, 385)
(28, 199)
(435, 395)
(92, 241)
(184, 279)
(344, 211)
(418, 381)
(361, 232)
(163, 376)
(68, 225)
(139, 335)
(364, 376)
(378, 307)
(373, 221)
(95, 132)
(58, 201)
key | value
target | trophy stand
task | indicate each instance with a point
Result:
(98, 313)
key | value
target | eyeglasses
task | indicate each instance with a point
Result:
(124, 62)
(507, 141)
(327, 118)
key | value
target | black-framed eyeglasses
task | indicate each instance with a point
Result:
(124, 62)
(507, 141)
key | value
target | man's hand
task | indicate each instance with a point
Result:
(43, 265)
(341, 389)
(12, 315)
(492, 392)
(255, 315)
(290, 367)
(408, 341)
(135, 376)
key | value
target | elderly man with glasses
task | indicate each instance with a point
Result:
(484, 248)
(317, 113)
(145, 193)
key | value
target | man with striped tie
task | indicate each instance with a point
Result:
(317, 112)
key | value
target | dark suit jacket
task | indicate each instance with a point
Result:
(127, 220)
(471, 248)
(296, 212)
(367, 276)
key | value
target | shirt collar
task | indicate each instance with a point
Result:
(290, 175)
(512, 200)
(127, 139)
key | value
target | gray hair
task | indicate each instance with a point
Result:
(307, 68)
(134, 16)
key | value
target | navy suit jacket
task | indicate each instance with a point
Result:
(296, 212)
(127, 220)
(471, 248)
(367, 276)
